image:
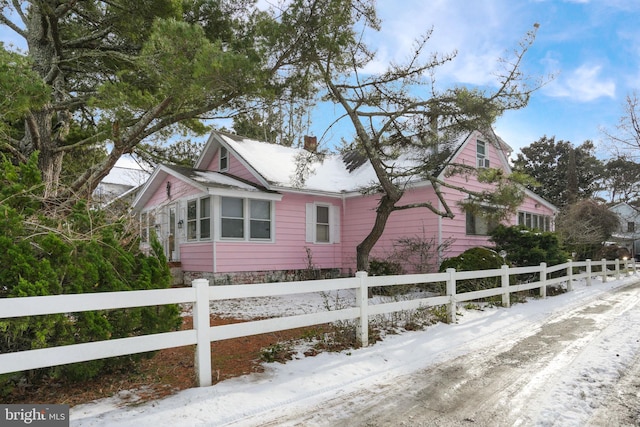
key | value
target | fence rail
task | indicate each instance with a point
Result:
(201, 294)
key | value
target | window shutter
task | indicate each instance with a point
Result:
(310, 225)
(334, 223)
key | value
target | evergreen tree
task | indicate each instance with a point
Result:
(132, 72)
(78, 254)
(548, 162)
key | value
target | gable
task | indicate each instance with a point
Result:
(277, 167)
(169, 183)
(494, 152)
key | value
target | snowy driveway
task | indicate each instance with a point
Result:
(569, 360)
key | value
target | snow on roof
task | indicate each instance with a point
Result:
(128, 172)
(205, 177)
(126, 176)
(214, 179)
(284, 166)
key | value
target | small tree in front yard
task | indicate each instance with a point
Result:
(418, 254)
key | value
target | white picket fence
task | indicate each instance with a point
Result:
(201, 294)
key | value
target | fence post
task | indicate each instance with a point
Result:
(451, 293)
(617, 269)
(604, 270)
(362, 302)
(202, 324)
(570, 275)
(506, 301)
(543, 280)
(588, 272)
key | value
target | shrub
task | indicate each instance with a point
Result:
(417, 254)
(478, 258)
(385, 268)
(79, 252)
(526, 247)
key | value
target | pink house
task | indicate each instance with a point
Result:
(250, 208)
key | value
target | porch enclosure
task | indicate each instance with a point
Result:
(200, 295)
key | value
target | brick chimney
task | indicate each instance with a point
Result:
(310, 143)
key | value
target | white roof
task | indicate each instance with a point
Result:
(282, 166)
(216, 178)
(127, 171)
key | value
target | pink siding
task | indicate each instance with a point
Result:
(197, 256)
(288, 251)
(236, 168)
(410, 223)
(533, 206)
(179, 189)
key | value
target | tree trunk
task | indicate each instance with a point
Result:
(41, 134)
(384, 210)
(39, 137)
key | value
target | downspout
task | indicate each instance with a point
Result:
(215, 201)
(343, 215)
(440, 207)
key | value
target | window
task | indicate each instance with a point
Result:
(480, 224)
(245, 217)
(260, 219)
(534, 221)
(205, 218)
(481, 153)
(631, 227)
(147, 226)
(144, 228)
(323, 223)
(232, 224)
(199, 219)
(192, 219)
(224, 159)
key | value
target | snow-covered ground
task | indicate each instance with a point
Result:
(568, 360)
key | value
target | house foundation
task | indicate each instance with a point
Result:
(253, 277)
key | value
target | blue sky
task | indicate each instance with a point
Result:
(591, 46)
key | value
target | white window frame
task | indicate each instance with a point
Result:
(247, 220)
(148, 226)
(312, 223)
(251, 219)
(195, 223)
(482, 224)
(224, 158)
(325, 225)
(535, 221)
(482, 154)
(233, 218)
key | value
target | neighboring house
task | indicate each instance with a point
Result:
(627, 235)
(247, 209)
(122, 181)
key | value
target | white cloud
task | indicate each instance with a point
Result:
(585, 83)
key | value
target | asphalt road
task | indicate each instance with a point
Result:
(545, 376)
